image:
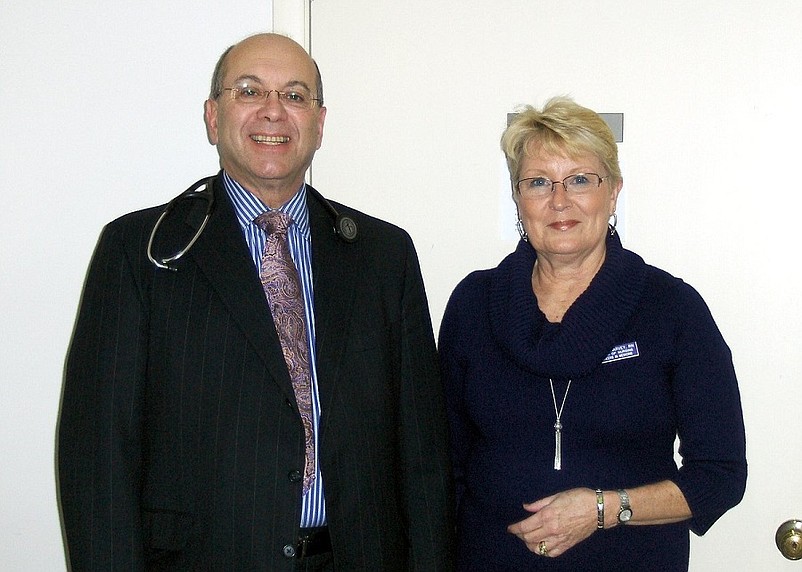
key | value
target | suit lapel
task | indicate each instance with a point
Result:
(222, 255)
(333, 265)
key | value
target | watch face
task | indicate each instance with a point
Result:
(625, 515)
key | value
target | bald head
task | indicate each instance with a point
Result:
(268, 42)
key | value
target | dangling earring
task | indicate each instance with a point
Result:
(521, 230)
(612, 225)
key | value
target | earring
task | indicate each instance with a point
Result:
(612, 225)
(521, 230)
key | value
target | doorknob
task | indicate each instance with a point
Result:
(789, 539)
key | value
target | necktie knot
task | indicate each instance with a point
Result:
(274, 222)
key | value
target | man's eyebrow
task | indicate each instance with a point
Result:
(249, 78)
(289, 84)
(298, 83)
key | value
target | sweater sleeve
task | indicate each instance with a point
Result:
(453, 342)
(710, 420)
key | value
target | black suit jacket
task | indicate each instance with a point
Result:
(179, 438)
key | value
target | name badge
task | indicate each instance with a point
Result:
(624, 351)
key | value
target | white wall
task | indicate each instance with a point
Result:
(417, 95)
(100, 113)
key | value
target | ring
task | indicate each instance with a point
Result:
(541, 548)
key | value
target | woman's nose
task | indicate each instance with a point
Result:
(559, 199)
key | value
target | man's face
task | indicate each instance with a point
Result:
(265, 146)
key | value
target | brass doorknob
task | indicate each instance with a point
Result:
(789, 539)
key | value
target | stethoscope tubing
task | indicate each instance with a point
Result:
(195, 191)
(345, 227)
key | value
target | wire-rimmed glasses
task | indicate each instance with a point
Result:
(248, 94)
(577, 184)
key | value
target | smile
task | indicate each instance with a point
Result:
(564, 224)
(275, 140)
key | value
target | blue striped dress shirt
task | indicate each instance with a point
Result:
(247, 207)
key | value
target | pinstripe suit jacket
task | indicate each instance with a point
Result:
(179, 437)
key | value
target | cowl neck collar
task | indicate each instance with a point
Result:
(590, 328)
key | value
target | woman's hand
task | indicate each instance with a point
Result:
(558, 522)
(562, 521)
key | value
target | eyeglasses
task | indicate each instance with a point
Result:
(299, 99)
(540, 187)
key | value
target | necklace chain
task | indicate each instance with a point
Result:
(558, 426)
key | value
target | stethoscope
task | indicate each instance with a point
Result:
(345, 227)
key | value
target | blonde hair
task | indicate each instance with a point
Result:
(562, 127)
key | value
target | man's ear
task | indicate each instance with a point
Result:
(210, 118)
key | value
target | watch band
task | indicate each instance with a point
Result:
(599, 509)
(625, 512)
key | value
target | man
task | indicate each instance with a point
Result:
(184, 443)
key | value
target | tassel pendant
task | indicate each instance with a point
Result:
(558, 426)
(558, 461)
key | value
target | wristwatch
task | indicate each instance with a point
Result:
(625, 512)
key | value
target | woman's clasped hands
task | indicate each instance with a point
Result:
(558, 522)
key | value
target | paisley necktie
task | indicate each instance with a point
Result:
(283, 290)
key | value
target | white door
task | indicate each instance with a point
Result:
(418, 94)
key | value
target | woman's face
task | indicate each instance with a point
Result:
(563, 226)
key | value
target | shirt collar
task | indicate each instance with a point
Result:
(247, 206)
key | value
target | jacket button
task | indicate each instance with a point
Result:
(288, 551)
(295, 476)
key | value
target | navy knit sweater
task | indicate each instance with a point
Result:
(648, 365)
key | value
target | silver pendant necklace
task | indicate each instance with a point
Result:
(558, 426)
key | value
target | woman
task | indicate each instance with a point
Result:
(571, 369)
